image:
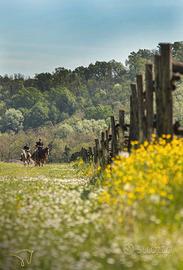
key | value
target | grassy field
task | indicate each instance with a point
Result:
(67, 223)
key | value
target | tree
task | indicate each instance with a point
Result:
(44, 81)
(98, 112)
(12, 120)
(178, 51)
(54, 114)
(27, 98)
(136, 61)
(100, 96)
(37, 115)
(61, 76)
(64, 99)
(64, 130)
(118, 71)
(2, 107)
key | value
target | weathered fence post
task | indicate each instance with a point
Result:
(96, 151)
(158, 95)
(107, 146)
(122, 119)
(141, 107)
(149, 100)
(163, 89)
(114, 137)
(103, 150)
(90, 153)
(107, 140)
(84, 154)
(134, 123)
(166, 89)
(121, 130)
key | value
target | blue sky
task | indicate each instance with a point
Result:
(40, 35)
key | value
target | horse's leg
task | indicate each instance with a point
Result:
(28, 160)
(24, 162)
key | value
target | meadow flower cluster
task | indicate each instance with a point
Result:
(151, 175)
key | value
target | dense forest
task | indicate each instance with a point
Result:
(70, 102)
(31, 103)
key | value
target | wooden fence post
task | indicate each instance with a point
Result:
(166, 88)
(107, 140)
(90, 154)
(84, 154)
(107, 146)
(103, 150)
(134, 123)
(96, 151)
(158, 95)
(114, 137)
(149, 100)
(141, 114)
(121, 130)
(122, 119)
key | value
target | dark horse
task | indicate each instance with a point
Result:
(40, 156)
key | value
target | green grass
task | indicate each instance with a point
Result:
(60, 171)
(52, 212)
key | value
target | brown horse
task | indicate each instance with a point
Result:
(40, 156)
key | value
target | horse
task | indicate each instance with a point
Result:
(40, 156)
(25, 157)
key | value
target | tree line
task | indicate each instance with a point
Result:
(96, 92)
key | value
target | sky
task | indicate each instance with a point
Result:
(41, 35)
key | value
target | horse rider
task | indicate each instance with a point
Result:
(26, 148)
(39, 146)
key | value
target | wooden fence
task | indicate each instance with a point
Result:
(151, 110)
